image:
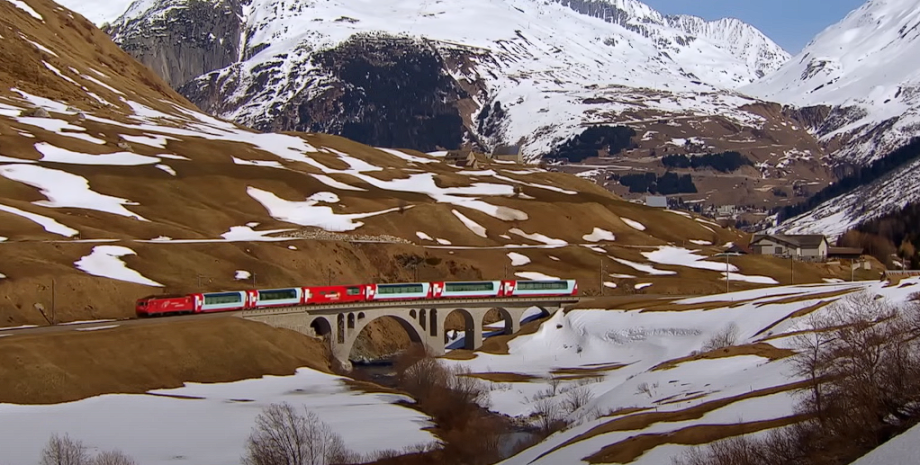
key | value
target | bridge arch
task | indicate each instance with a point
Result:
(417, 334)
(472, 328)
(321, 327)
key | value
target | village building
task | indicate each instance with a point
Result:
(803, 247)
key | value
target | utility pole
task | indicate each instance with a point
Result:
(53, 319)
(253, 280)
(792, 269)
(600, 277)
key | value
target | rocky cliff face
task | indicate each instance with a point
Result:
(375, 89)
(181, 44)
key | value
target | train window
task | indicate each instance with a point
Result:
(229, 298)
(469, 287)
(400, 288)
(353, 291)
(278, 294)
(542, 285)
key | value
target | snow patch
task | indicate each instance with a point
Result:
(599, 235)
(105, 261)
(633, 224)
(518, 259)
(470, 224)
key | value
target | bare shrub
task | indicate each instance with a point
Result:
(113, 457)
(644, 388)
(727, 337)
(862, 360)
(554, 382)
(549, 416)
(577, 398)
(284, 436)
(62, 450)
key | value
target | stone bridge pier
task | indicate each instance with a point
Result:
(423, 321)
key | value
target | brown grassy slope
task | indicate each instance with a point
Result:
(72, 365)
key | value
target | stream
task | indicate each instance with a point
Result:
(382, 372)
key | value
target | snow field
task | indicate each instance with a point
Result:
(637, 342)
(211, 424)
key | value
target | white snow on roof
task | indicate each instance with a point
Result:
(472, 225)
(668, 255)
(644, 268)
(65, 190)
(51, 225)
(105, 261)
(534, 276)
(28, 9)
(366, 422)
(599, 235)
(308, 213)
(540, 238)
(633, 224)
(518, 259)
(51, 153)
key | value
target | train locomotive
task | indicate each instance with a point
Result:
(163, 305)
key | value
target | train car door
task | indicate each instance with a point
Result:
(508, 288)
(371, 291)
(437, 290)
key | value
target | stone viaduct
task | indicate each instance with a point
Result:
(340, 324)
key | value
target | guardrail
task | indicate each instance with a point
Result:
(335, 308)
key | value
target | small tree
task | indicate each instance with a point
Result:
(727, 337)
(284, 436)
(113, 457)
(64, 451)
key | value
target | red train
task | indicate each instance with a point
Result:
(158, 305)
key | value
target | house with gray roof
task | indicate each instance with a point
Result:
(804, 246)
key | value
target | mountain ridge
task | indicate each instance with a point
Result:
(517, 53)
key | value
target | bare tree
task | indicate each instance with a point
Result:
(113, 457)
(577, 398)
(727, 337)
(549, 415)
(62, 450)
(284, 436)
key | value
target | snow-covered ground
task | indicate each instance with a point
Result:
(618, 351)
(901, 450)
(208, 423)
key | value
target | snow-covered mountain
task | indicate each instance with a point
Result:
(344, 66)
(864, 67)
